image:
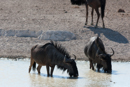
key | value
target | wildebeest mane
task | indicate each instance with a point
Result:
(100, 45)
(63, 51)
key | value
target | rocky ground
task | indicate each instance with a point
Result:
(47, 15)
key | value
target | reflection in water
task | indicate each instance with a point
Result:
(15, 74)
(98, 79)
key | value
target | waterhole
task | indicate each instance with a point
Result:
(14, 73)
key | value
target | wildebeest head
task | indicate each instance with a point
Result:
(78, 2)
(73, 71)
(105, 60)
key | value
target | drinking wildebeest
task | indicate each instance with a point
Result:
(95, 51)
(94, 4)
(52, 54)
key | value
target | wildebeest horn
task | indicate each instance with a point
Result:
(74, 56)
(99, 55)
(112, 53)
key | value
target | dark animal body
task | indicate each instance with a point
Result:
(52, 54)
(94, 4)
(95, 51)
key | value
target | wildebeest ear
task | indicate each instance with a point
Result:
(68, 60)
(102, 56)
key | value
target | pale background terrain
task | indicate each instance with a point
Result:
(61, 15)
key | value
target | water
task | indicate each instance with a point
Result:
(14, 73)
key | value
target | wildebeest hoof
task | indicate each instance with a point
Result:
(76, 75)
(70, 75)
(98, 70)
(95, 26)
(48, 75)
(85, 23)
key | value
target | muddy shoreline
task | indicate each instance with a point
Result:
(78, 59)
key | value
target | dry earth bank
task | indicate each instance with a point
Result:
(61, 15)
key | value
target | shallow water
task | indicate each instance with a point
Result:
(14, 73)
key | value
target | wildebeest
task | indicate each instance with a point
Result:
(94, 4)
(95, 51)
(52, 54)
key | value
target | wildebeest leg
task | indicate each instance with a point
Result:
(98, 67)
(98, 15)
(52, 69)
(92, 16)
(38, 68)
(86, 13)
(47, 67)
(105, 70)
(91, 65)
(102, 11)
(103, 22)
(31, 64)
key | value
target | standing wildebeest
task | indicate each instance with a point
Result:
(95, 4)
(95, 51)
(52, 54)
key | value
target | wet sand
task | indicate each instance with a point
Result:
(14, 73)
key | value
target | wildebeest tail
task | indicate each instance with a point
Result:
(34, 66)
(78, 2)
(103, 3)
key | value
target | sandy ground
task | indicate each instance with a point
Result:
(61, 15)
